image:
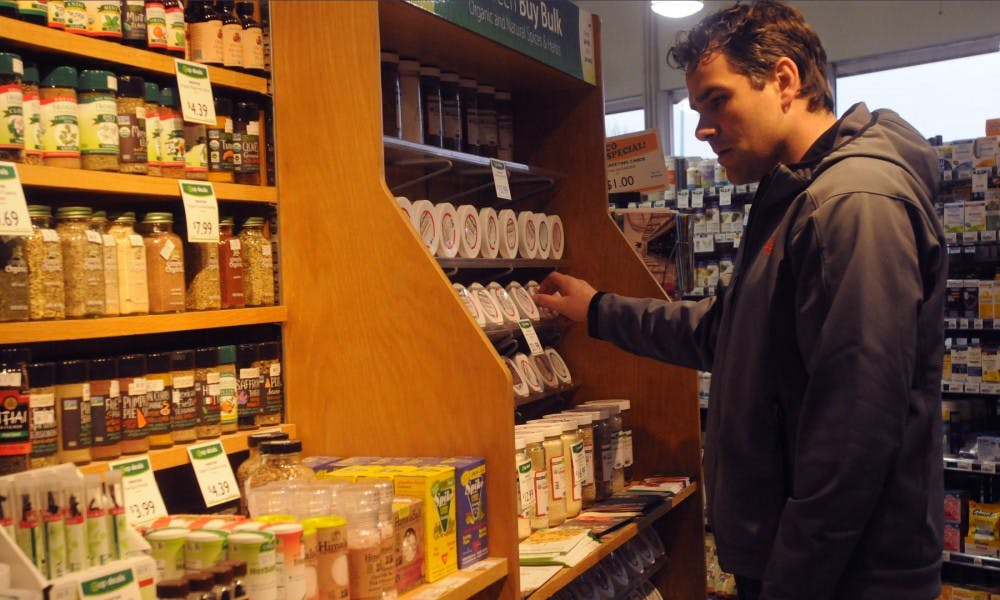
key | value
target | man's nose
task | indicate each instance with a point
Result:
(705, 130)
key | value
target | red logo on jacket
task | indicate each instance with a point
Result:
(769, 246)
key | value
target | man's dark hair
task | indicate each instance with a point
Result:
(753, 37)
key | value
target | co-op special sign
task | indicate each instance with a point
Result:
(555, 32)
(635, 162)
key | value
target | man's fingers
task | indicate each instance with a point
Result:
(554, 282)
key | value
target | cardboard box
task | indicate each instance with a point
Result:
(956, 507)
(408, 524)
(975, 216)
(953, 539)
(992, 126)
(954, 217)
(436, 487)
(470, 479)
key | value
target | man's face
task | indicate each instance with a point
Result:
(744, 126)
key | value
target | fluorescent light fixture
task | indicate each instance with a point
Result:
(676, 9)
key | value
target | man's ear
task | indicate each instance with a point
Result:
(786, 76)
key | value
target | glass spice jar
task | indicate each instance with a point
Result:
(201, 265)
(258, 269)
(153, 129)
(131, 107)
(254, 459)
(451, 122)
(469, 115)
(535, 451)
(487, 113)
(389, 67)
(184, 407)
(272, 391)
(32, 118)
(228, 389)
(104, 20)
(204, 26)
(164, 263)
(83, 262)
(105, 409)
(281, 460)
(43, 251)
(430, 91)
(159, 400)
(42, 411)
(246, 143)
(130, 258)
(56, 14)
(15, 429)
(109, 258)
(11, 107)
(171, 134)
(248, 385)
(59, 111)
(253, 38)
(73, 412)
(230, 266)
(14, 279)
(232, 35)
(411, 111)
(207, 380)
(98, 111)
(220, 142)
(75, 16)
(134, 389)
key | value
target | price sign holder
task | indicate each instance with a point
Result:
(118, 585)
(195, 89)
(143, 502)
(531, 336)
(201, 211)
(500, 180)
(726, 195)
(213, 472)
(14, 219)
(683, 199)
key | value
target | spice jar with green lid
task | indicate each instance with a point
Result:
(11, 107)
(220, 142)
(258, 269)
(60, 118)
(109, 257)
(33, 11)
(171, 134)
(164, 263)
(131, 108)
(43, 251)
(153, 128)
(31, 116)
(98, 120)
(83, 262)
(130, 258)
(14, 278)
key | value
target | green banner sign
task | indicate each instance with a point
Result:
(555, 32)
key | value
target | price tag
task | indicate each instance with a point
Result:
(683, 198)
(500, 180)
(118, 585)
(752, 187)
(704, 242)
(660, 204)
(214, 474)
(977, 560)
(988, 236)
(980, 178)
(736, 241)
(741, 188)
(195, 89)
(977, 323)
(531, 337)
(963, 323)
(698, 198)
(14, 219)
(946, 556)
(143, 502)
(988, 467)
(950, 323)
(725, 195)
(971, 387)
(201, 211)
(964, 464)
(951, 237)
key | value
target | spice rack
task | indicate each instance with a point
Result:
(412, 374)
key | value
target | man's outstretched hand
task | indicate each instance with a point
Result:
(566, 295)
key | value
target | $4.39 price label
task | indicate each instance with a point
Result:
(214, 474)
(201, 211)
(143, 502)
(14, 218)
(500, 182)
(195, 89)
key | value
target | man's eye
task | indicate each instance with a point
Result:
(717, 101)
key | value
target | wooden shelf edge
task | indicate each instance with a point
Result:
(45, 39)
(176, 456)
(609, 544)
(85, 329)
(462, 584)
(57, 178)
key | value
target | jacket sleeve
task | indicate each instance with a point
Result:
(858, 290)
(682, 333)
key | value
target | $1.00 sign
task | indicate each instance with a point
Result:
(635, 162)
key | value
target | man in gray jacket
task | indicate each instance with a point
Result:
(823, 459)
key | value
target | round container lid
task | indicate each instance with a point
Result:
(38, 210)
(103, 368)
(30, 74)
(182, 360)
(579, 418)
(324, 522)
(97, 81)
(158, 362)
(254, 222)
(281, 447)
(158, 217)
(11, 64)
(99, 217)
(71, 212)
(429, 70)
(71, 371)
(547, 428)
(449, 77)
(125, 217)
(167, 533)
(227, 355)
(42, 374)
(223, 106)
(226, 221)
(131, 86)
(616, 403)
(565, 424)
(256, 439)
(388, 56)
(169, 97)
(63, 77)
(205, 358)
(529, 435)
(152, 92)
(132, 365)
(602, 412)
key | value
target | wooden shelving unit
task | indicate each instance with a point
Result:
(466, 583)
(176, 456)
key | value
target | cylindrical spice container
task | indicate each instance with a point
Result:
(204, 26)
(272, 390)
(153, 129)
(430, 91)
(109, 259)
(33, 11)
(201, 265)
(505, 126)
(331, 536)
(15, 441)
(131, 108)
(171, 134)
(195, 151)
(159, 401)
(75, 16)
(202, 549)
(390, 94)
(105, 409)
(220, 142)
(258, 270)
(56, 14)
(256, 550)
(73, 412)
(184, 409)
(525, 489)
(360, 505)
(253, 460)
(133, 386)
(469, 115)
(31, 114)
(167, 545)
(539, 519)
(230, 266)
(104, 20)
(253, 35)
(228, 389)
(134, 23)
(206, 390)
(130, 258)
(60, 114)
(246, 135)
(97, 91)
(14, 279)
(572, 440)
(164, 263)
(83, 262)
(488, 133)
(11, 107)
(232, 35)
(411, 112)
(248, 385)
(43, 251)
(42, 409)
(451, 122)
(604, 449)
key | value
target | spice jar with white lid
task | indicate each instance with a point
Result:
(585, 424)
(533, 448)
(556, 464)
(572, 441)
(83, 262)
(525, 488)
(130, 259)
(109, 258)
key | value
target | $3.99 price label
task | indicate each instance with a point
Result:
(213, 472)
(143, 502)
(201, 211)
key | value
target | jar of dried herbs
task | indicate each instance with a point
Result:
(153, 128)
(13, 278)
(131, 107)
(43, 251)
(83, 262)
(98, 120)
(109, 255)
(59, 115)
(207, 385)
(42, 409)
(32, 116)
(171, 134)
(130, 258)
(258, 270)
(11, 107)
(15, 430)
(201, 262)
(272, 390)
(230, 266)
(159, 400)
(164, 263)
(184, 409)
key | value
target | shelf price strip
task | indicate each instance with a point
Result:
(213, 472)
(143, 502)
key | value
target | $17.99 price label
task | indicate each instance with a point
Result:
(214, 473)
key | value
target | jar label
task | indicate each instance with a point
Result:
(220, 151)
(541, 493)
(11, 117)
(167, 251)
(228, 400)
(49, 235)
(104, 19)
(75, 15)
(608, 461)
(108, 242)
(577, 460)
(433, 118)
(93, 237)
(207, 399)
(132, 136)
(156, 26)
(627, 448)
(253, 48)
(134, 20)
(61, 132)
(248, 392)
(158, 407)
(57, 14)
(134, 411)
(98, 125)
(232, 45)
(105, 413)
(196, 148)
(135, 240)
(206, 42)
(75, 423)
(44, 430)
(525, 488)
(247, 159)
(15, 428)
(557, 466)
(153, 133)
(365, 571)
(31, 114)
(171, 138)
(176, 34)
(32, 8)
(185, 406)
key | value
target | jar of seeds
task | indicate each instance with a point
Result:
(43, 251)
(258, 270)
(83, 262)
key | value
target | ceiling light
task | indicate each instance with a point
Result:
(676, 9)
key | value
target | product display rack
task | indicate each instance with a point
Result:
(382, 357)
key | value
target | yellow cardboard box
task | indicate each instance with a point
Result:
(436, 487)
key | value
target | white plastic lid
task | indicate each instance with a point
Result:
(621, 403)
(547, 429)
(530, 435)
(518, 442)
(389, 56)
(467, 82)
(598, 413)
(581, 418)
(527, 368)
(491, 310)
(409, 64)
(520, 385)
(565, 424)
(507, 306)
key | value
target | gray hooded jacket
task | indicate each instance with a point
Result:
(823, 458)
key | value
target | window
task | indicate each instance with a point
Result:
(684, 124)
(620, 123)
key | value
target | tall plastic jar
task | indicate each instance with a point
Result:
(620, 441)
(58, 107)
(585, 426)
(105, 409)
(159, 401)
(11, 107)
(164, 263)
(254, 460)
(557, 464)
(184, 409)
(133, 386)
(42, 409)
(98, 109)
(83, 263)
(43, 251)
(525, 488)
(411, 112)
(258, 269)
(130, 258)
(109, 258)
(572, 442)
(533, 448)
(604, 449)
(73, 412)
(360, 505)
(230, 266)
(248, 385)
(625, 438)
